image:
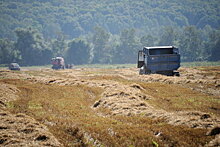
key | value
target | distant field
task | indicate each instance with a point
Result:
(109, 66)
(193, 64)
(117, 66)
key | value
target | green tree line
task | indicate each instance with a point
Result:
(102, 47)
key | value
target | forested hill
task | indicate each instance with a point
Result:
(78, 17)
(106, 31)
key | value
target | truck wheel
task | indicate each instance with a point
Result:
(142, 70)
(147, 72)
(176, 74)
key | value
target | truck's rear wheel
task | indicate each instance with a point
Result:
(176, 74)
(143, 71)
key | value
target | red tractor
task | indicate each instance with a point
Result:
(58, 63)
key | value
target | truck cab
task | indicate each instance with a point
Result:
(159, 59)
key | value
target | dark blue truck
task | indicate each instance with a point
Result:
(159, 59)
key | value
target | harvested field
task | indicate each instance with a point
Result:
(109, 107)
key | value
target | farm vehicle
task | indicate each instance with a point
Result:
(59, 63)
(160, 60)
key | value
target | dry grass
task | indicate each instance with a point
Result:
(174, 97)
(67, 111)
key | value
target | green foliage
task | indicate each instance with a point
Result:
(154, 143)
(7, 52)
(59, 46)
(214, 45)
(100, 40)
(190, 44)
(115, 30)
(148, 40)
(32, 48)
(75, 18)
(78, 52)
(168, 37)
(127, 50)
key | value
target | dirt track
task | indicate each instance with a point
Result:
(191, 100)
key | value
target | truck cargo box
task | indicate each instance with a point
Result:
(160, 59)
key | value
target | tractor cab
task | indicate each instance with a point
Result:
(58, 63)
